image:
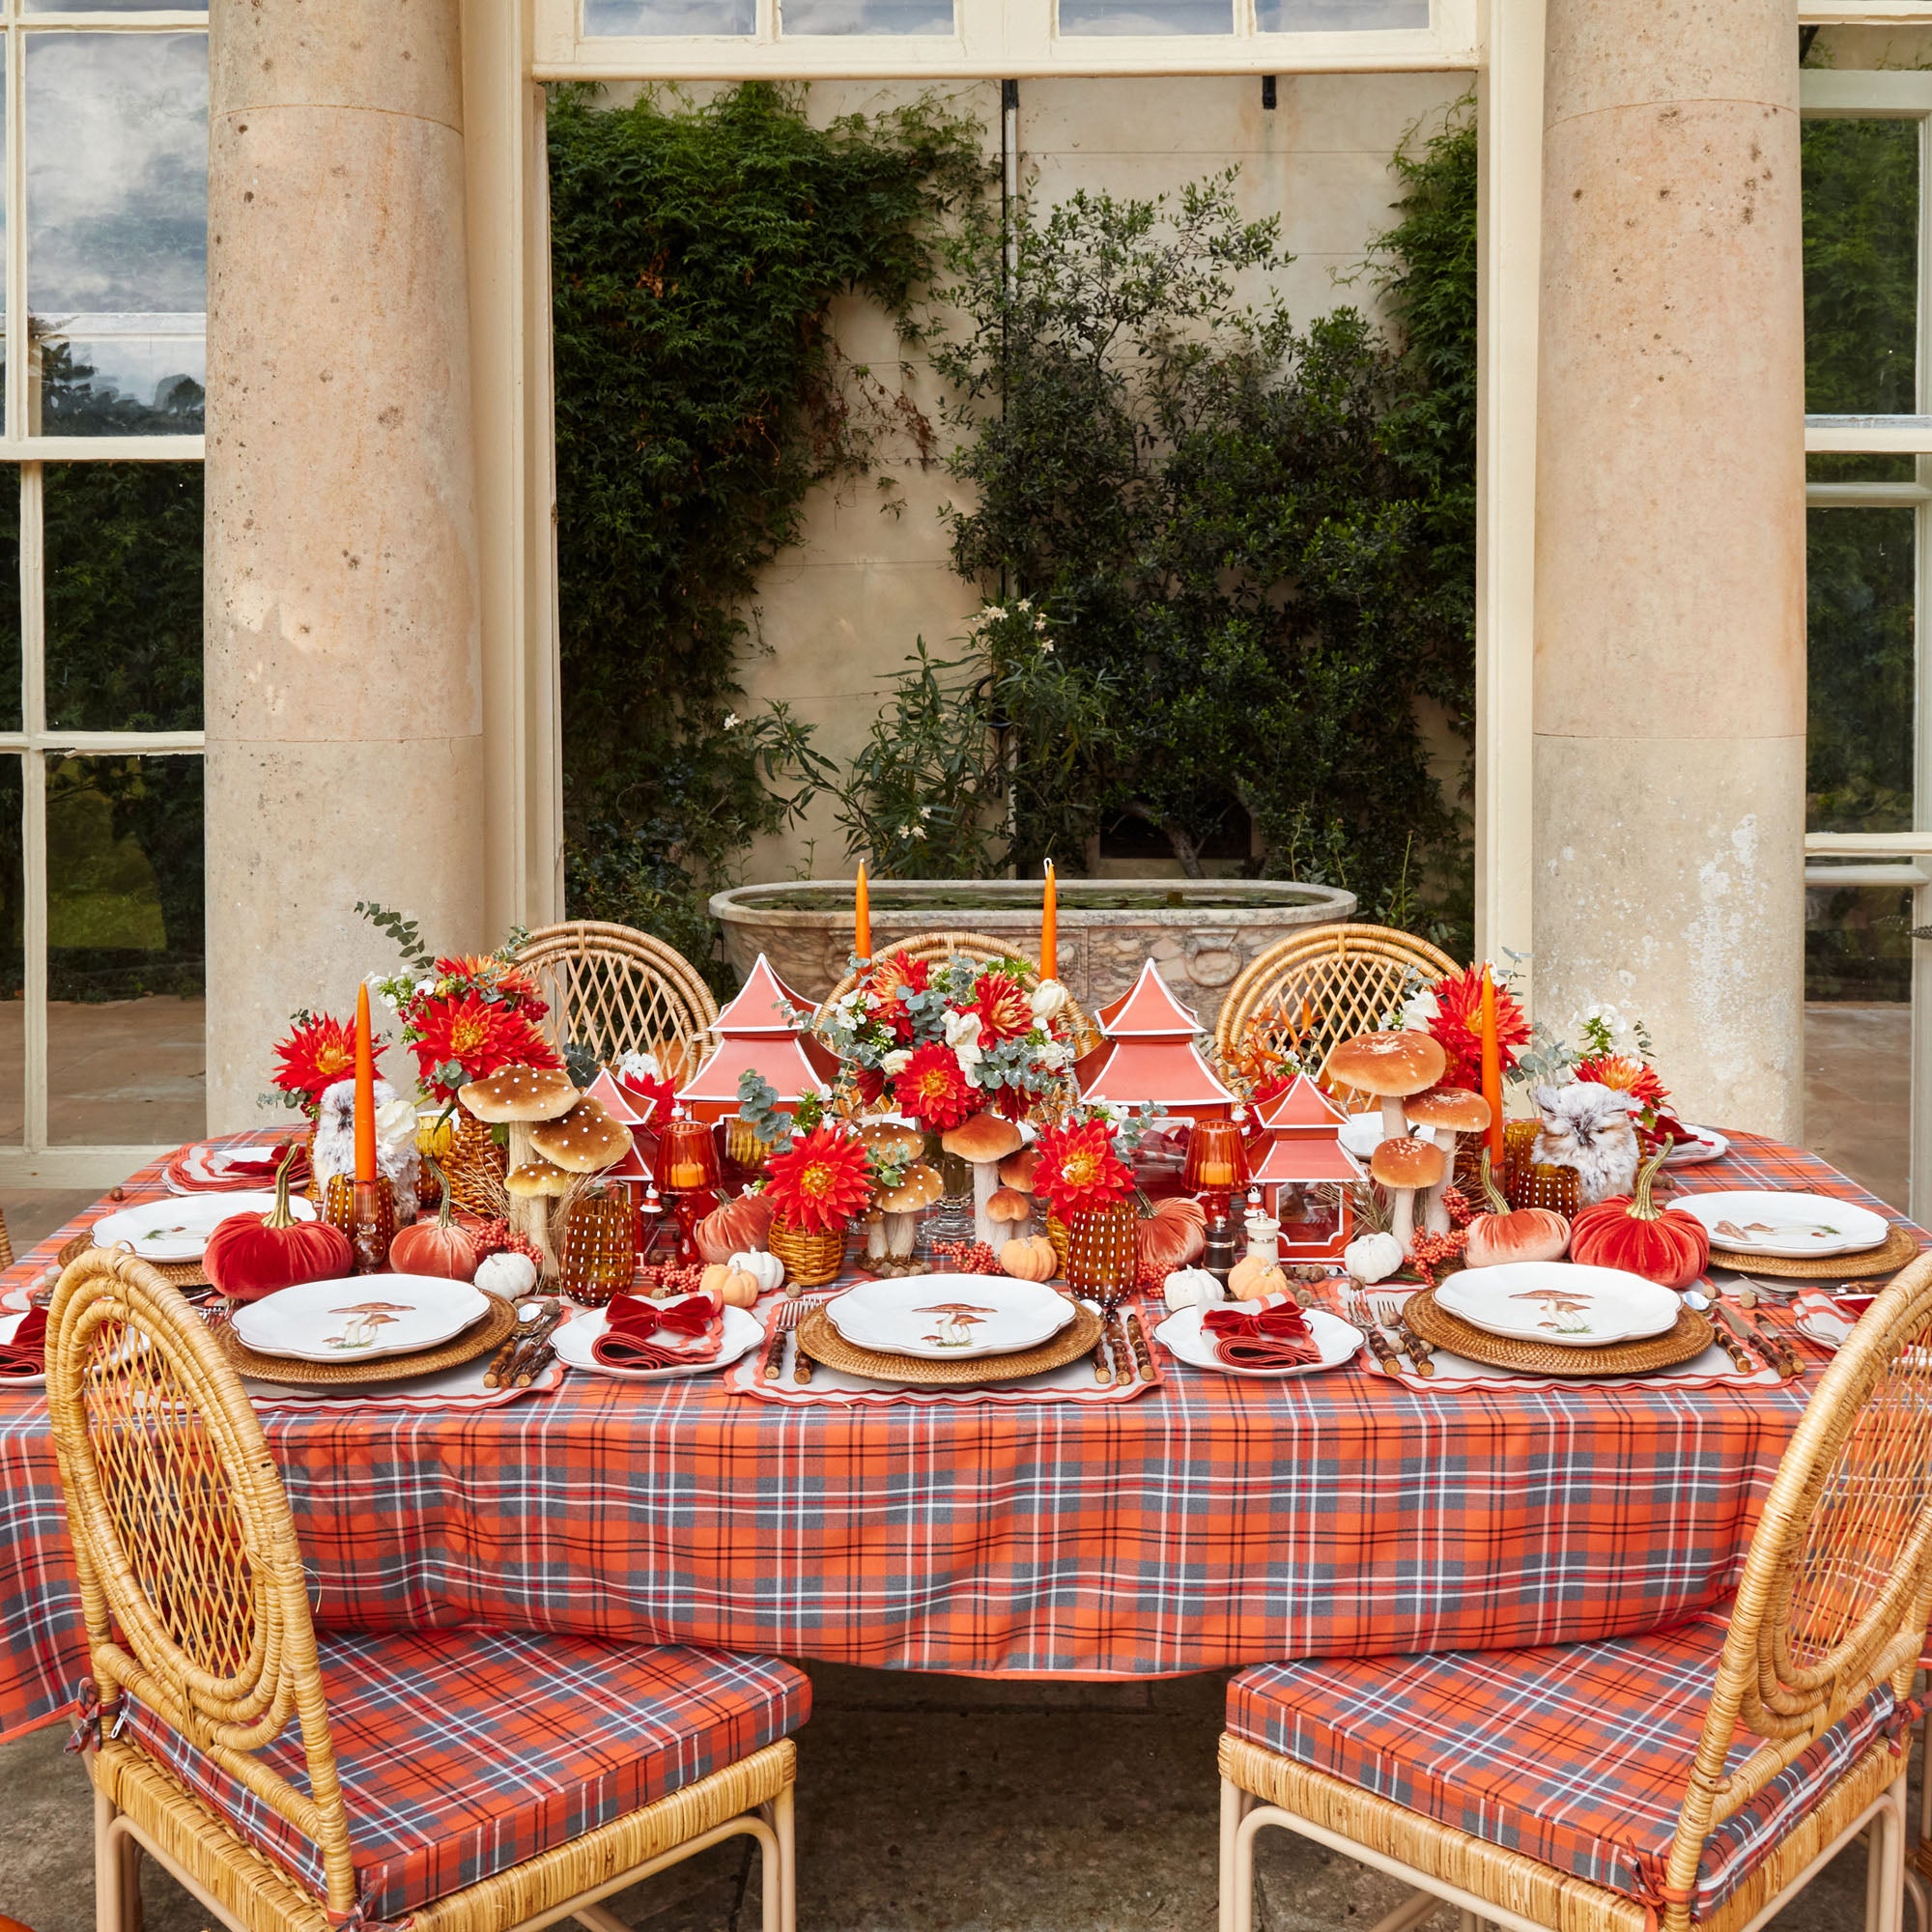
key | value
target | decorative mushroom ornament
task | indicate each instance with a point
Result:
(1405, 1166)
(983, 1141)
(1390, 1065)
(1446, 1112)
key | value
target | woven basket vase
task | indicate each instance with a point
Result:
(1096, 1251)
(475, 1166)
(811, 1260)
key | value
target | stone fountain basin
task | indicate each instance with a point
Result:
(1201, 932)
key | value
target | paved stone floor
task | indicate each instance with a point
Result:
(925, 1805)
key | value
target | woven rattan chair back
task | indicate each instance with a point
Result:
(1837, 1582)
(1307, 993)
(191, 1582)
(618, 991)
(984, 950)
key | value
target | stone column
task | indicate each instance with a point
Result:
(344, 676)
(1669, 698)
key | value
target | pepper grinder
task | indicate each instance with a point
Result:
(1218, 1256)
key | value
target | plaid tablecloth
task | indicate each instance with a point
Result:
(1214, 1521)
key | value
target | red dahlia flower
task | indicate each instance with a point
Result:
(819, 1183)
(1003, 1009)
(1079, 1173)
(1458, 1024)
(477, 1036)
(888, 981)
(318, 1052)
(933, 1091)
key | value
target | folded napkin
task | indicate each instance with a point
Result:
(26, 1354)
(217, 1169)
(640, 1334)
(1262, 1335)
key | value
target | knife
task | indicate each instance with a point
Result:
(1783, 1357)
(533, 1347)
(1732, 1343)
(1138, 1341)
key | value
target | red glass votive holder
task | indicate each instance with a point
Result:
(687, 1158)
(1217, 1163)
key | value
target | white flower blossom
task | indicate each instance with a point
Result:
(897, 1061)
(1048, 997)
(994, 613)
(730, 721)
(925, 811)
(968, 1057)
(1419, 1009)
(915, 831)
(962, 1032)
(1046, 648)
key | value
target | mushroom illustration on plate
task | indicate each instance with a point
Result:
(1566, 1313)
(366, 1321)
(957, 1322)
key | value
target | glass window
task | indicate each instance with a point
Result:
(1860, 200)
(865, 16)
(1307, 16)
(1863, 468)
(9, 608)
(123, 567)
(125, 949)
(671, 16)
(1146, 17)
(1862, 681)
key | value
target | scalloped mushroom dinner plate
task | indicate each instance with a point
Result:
(1792, 1227)
(359, 1319)
(1559, 1301)
(176, 1227)
(947, 1317)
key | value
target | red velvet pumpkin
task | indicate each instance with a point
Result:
(1506, 1234)
(1169, 1241)
(1183, 1206)
(437, 1247)
(252, 1255)
(1663, 1244)
(739, 1226)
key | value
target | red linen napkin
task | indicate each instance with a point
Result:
(1269, 1335)
(255, 1170)
(26, 1354)
(640, 1334)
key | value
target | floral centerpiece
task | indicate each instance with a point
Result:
(467, 1016)
(819, 1178)
(1451, 1011)
(1088, 1192)
(1616, 1051)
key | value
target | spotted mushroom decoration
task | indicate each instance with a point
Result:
(1390, 1067)
(1444, 1112)
(519, 1100)
(1407, 1167)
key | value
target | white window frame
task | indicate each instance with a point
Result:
(1891, 858)
(36, 1162)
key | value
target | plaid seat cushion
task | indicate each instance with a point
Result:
(462, 1753)
(1577, 1755)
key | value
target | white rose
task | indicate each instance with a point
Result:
(1418, 1010)
(962, 1031)
(396, 1124)
(898, 1061)
(1048, 997)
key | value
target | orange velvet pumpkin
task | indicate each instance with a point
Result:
(252, 1255)
(1182, 1207)
(1663, 1244)
(743, 1223)
(1506, 1234)
(1170, 1241)
(437, 1247)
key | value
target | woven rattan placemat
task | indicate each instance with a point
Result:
(823, 1343)
(1889, 1256)
(1683, 1341)
(178, 1274)
(477, 1340)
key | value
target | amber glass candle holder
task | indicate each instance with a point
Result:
(366, 1211)
(688, 1157)
(1097, 1251)
(1217, 1163)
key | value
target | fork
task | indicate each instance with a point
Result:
(1359, 1315)
(786, 1320)
(1390, 1312)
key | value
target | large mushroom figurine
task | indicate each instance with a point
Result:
(584, 1142)
(920, 1186)
(983, 1142)
(520, 1098)
(1446, 1112)
(1390, 1066)
(531, 1188)
(1009, 1210)
(1403, 1166)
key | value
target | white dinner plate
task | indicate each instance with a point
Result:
(9, 1324)
(1559, 1301)
(177, 1227)
(576, 1340)
(1705, 1144)
(945, 1317)
(361, 1318)
(1756, 1221)
(1181, 1334)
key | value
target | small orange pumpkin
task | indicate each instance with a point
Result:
(1253, 1279)
(1506, 1234)
(1030, 1257)
(742, 1223)
(437, 1247)
(727, 1286)
(1628, 1231)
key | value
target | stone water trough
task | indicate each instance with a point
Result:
(1201, 932)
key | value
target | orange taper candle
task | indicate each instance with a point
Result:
(365, 1089)
(1492, 1070)
(862, 916)
(1049, 928)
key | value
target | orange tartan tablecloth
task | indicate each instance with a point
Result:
(1213, 1521)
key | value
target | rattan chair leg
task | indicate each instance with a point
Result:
(1467, 1922)
(781, 1865)
(1886, 1858)
(110, 1872)
(1236, 1805)
(132, 1913)
(597, 1919)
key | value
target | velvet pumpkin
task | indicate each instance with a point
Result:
(252, 1255)
(437, 1247)
(1629, 1232)
(1182, 1207)
(1505, 1234)
(1028, 1258)
(744, 1222)
(1170, 1241)
(1253, 1279)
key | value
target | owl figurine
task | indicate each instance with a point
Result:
(1589, 1127)
(334, 1147)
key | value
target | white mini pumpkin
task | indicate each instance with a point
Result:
(507, 1274)
(766, 1270)
(1191, 1288)
(1373, 1257)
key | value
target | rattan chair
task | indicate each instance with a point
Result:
(619, 992)
(452, 1781)
(978, 947)
(1321, 985)
(1701, 1774)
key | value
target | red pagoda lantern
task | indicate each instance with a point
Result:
(1305, 1174)
(756, 1036)
(1148, 1052)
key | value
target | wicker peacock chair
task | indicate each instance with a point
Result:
(619, 992)
(450, 1780)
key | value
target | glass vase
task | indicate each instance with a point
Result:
(599, 1245)
(1529, 1183)
(1096, 1251)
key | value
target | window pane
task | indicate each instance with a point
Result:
(123, 564)
(1861, 266)
(1146, 17)
(108, 7)
(865, 16)
(670, 17)
(1306, 16)
(13, 960)
(1858, 774)
(1864, 468)
(1857, 1032)
(117, 222)
(9, 613)
(125, 949)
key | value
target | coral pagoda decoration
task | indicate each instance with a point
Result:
(317, 1052)
(1079, 1172)
(819, 1183)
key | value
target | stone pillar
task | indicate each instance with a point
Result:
(344, 697)
(1669, 699)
